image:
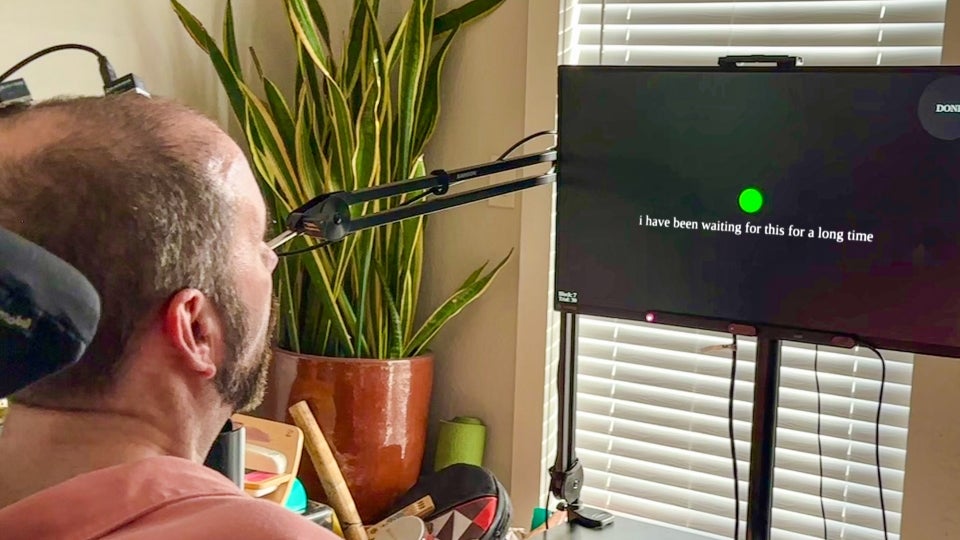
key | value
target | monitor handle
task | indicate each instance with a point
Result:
(781, 61)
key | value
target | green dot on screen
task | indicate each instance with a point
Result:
(751, 200)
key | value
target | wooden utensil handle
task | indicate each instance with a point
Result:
(329, 472)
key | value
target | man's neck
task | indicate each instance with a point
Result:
(41, 448)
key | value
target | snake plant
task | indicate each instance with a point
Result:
(352, 123)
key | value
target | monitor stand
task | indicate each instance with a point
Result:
(764, 437)
(566, 475)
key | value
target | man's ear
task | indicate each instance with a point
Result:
(192, 328)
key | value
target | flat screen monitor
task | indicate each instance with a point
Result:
(821, 200)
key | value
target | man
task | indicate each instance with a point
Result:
(161, 212)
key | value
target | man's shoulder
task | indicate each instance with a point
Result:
(238, 517)
(156, 498)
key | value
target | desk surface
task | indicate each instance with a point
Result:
(622, 528)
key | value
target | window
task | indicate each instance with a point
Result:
(652, 402)
(653, 433)
(697, 32)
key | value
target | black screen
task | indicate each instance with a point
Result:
(858, 232)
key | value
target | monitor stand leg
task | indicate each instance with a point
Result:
(567, 473)
(763, 440)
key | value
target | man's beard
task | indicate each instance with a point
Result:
(242, 380)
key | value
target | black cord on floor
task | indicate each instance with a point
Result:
(816, 377)
(883, 382)
(733, 441)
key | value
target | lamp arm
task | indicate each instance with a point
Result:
(329, 217)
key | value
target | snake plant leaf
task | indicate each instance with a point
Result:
(228, 78)
(256, 63)
(281, 113)
(364, 319)
(378, 52)
(366, 159)
(288, 285)
(308, 170)
(415, 274)
(472, 288)
(415, 46)
(307, 79)
(475, 275)
(410, 258)
(266, 175)
(430, 101)
(344, 262)
(343, 144)
(356, 59)
(469, 12)
(384, 111)
(335, 105)
(230, 41)
(413, 238)
(426, 33)
(310, 31)
(193, 26)
(366, 165)
(311, 317)
(355, 123)
(400, 239)
(287, 308)
(316, 12)
(269, 138)
(386, 133)
(395, 338)
(337, 309)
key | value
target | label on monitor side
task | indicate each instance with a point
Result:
(565, 297)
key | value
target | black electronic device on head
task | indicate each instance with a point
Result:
(15, 92)
(48, 313)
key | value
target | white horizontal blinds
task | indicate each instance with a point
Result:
(653, 433)
(569, 31)
(697, 32)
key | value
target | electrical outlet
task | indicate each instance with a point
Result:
(508, 200)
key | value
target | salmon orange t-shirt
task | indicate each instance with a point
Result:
(155, 498)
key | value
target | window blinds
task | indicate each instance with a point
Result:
(697, 32)
(652, 400)
(653, 432)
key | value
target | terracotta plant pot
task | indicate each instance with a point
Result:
(373, 414)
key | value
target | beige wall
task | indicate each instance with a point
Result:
(931, 493)
(528, 474)
(481, 114)
(142, 36)
(499, 85)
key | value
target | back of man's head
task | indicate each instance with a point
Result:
(121, 187)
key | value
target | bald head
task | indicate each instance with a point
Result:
(122, 122)
(134, 193)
